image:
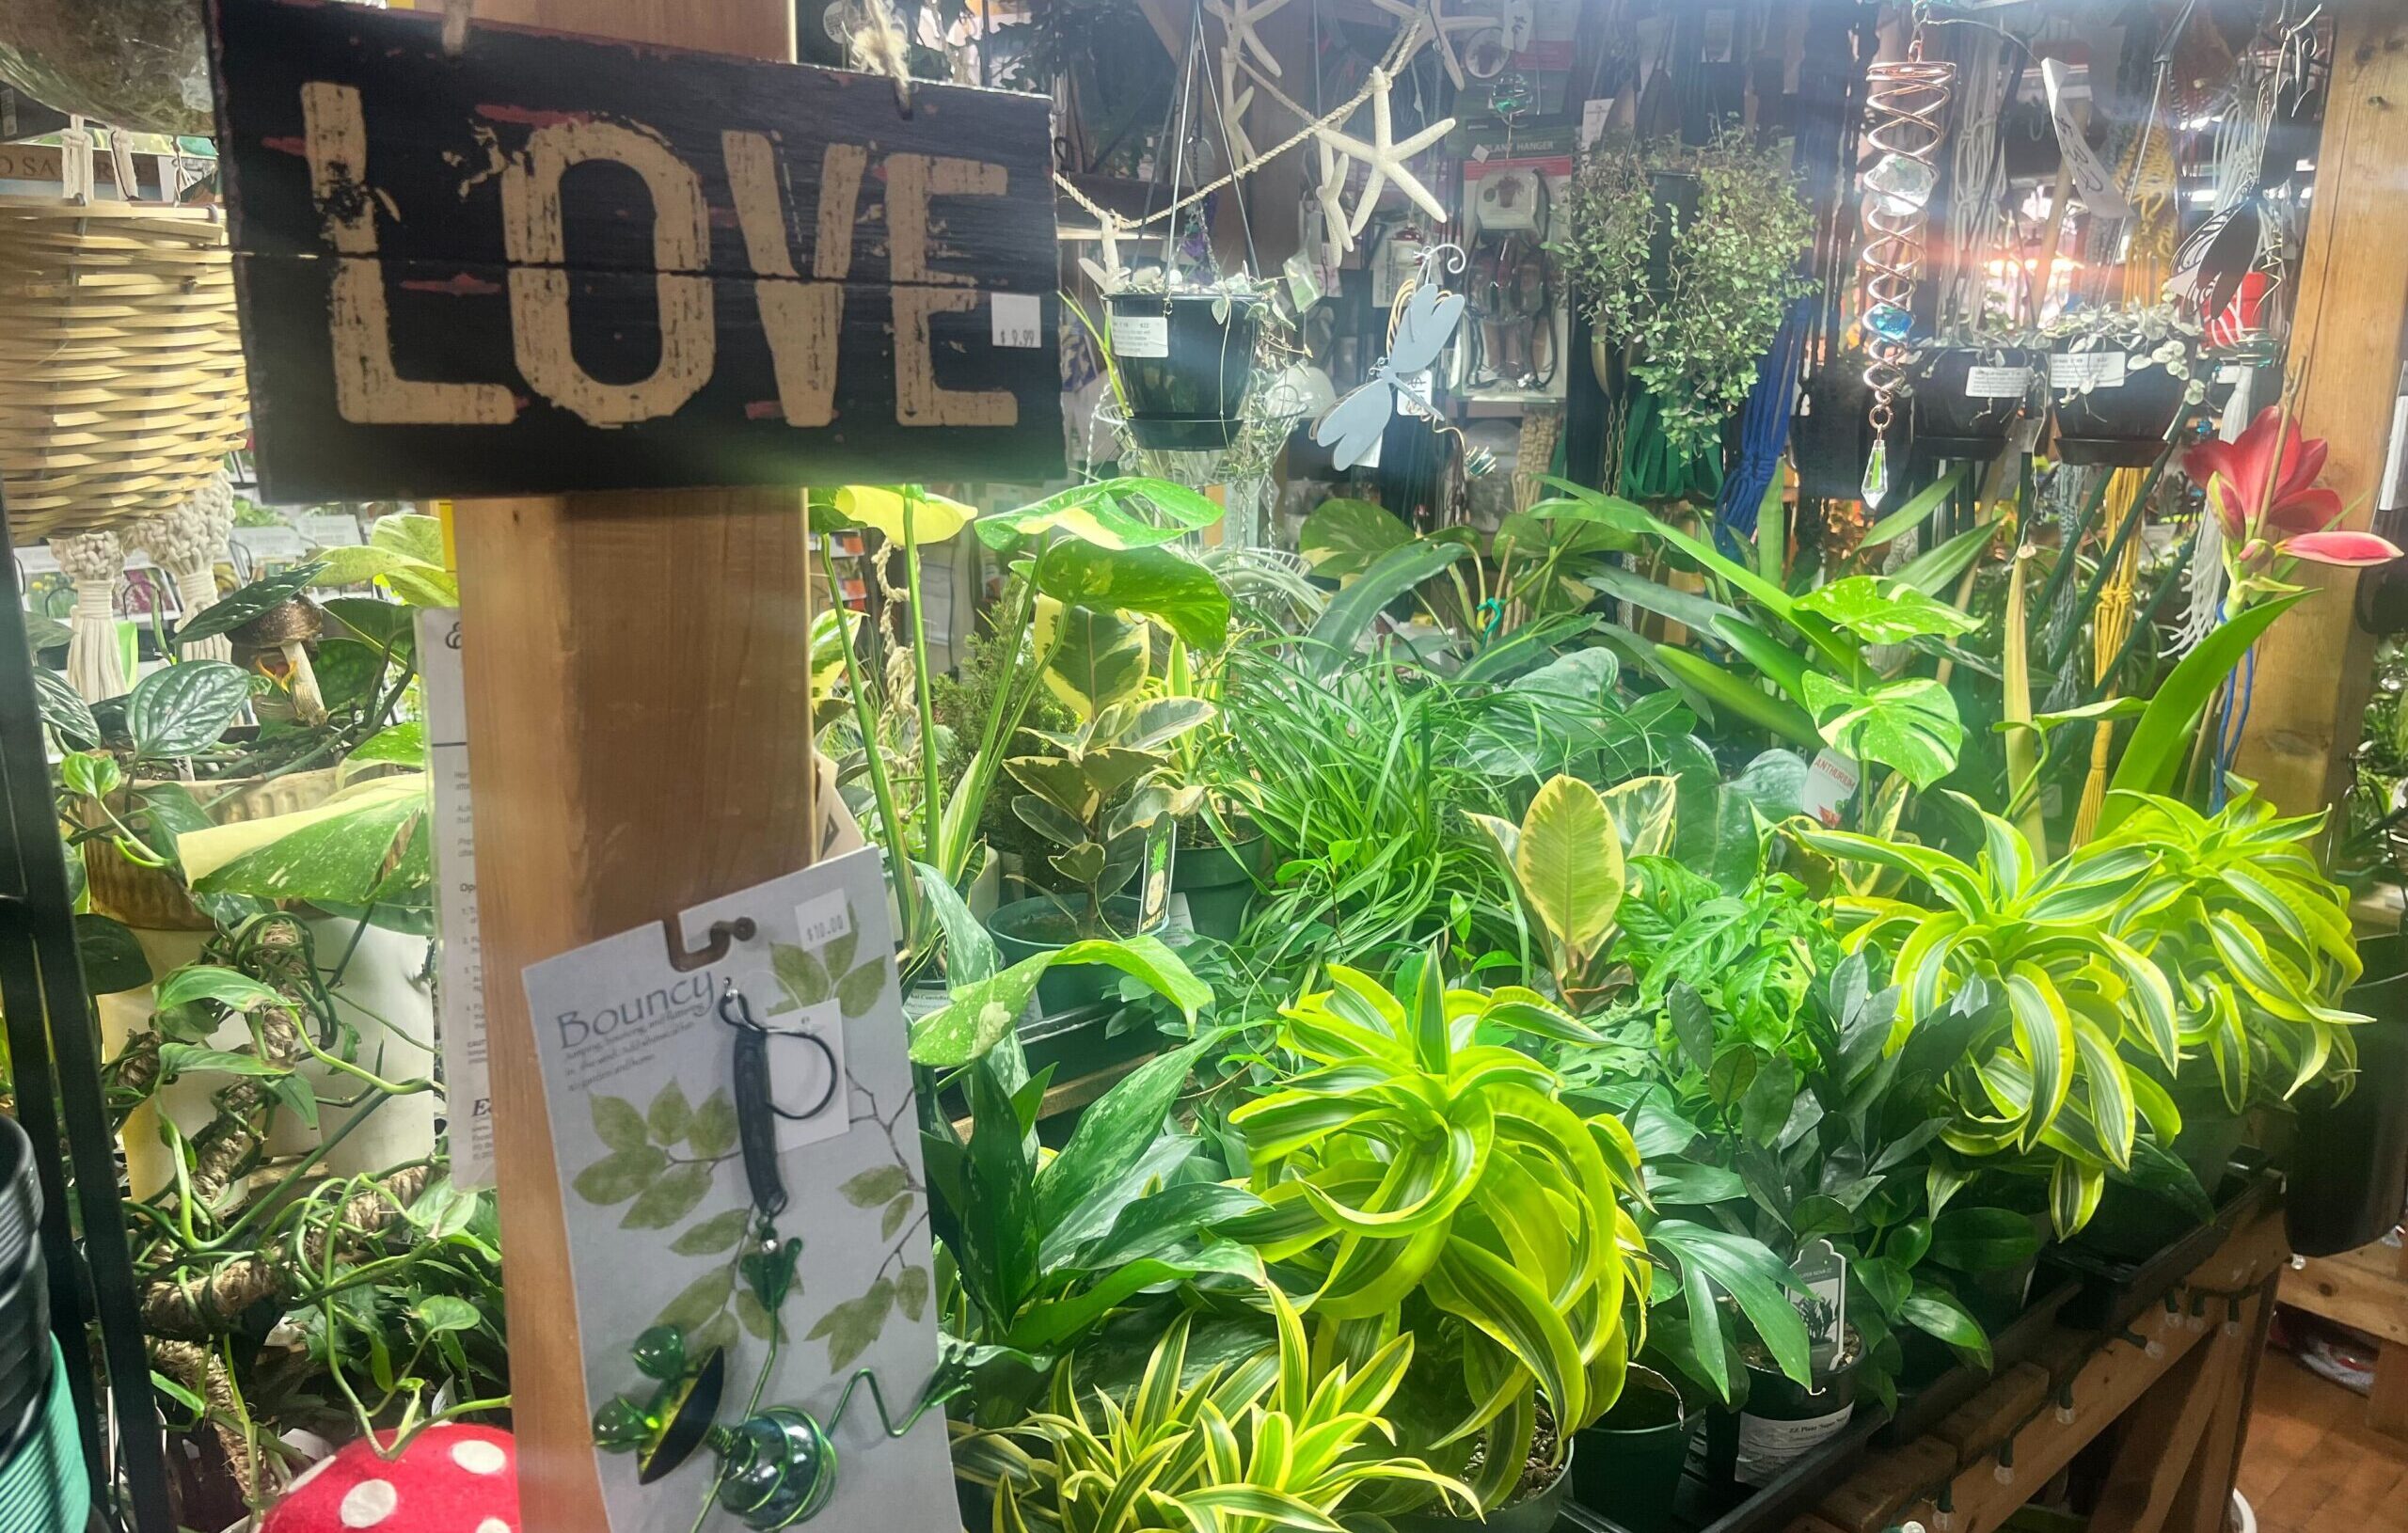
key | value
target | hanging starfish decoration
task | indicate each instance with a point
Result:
(1431, 18)
(1238, 19)
(1105, 274)
(1234, 104)
(1386, 156)
(1330, 194)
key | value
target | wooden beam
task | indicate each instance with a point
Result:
(2361, 1289)
(638, 724)
(2315, 668)
(2387, 1401)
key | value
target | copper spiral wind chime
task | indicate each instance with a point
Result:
(1903, 101)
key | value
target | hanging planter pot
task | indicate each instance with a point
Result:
(1831, 437)
(1184, 361)
(1966, 400)
(2349, 1170)
(1628, 1463)
(2109, 411)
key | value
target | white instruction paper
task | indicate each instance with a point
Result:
(460, 989)
(638, 1074)
(1141, 335)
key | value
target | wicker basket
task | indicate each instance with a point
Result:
(121, 387)
(153, 899)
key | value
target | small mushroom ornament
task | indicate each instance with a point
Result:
(455, 1478)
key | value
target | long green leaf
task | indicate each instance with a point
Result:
(1350, 612)
(1719, 690)
(1917, 509)
(2154, 756)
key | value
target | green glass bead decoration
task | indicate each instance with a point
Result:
(660, 1353)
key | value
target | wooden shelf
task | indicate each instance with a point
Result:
(2181, 1395)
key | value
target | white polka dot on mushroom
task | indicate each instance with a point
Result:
(493, 1524)
(479, 1457)
(368, 1502)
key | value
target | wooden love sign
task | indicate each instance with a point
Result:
(557, 264)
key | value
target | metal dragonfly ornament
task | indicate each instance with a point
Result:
(777, 1468)
(1419, 325)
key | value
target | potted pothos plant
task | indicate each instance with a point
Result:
(2121, 380)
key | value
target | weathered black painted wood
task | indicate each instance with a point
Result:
(440, 140)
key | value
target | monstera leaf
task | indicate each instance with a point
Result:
(1910, 723)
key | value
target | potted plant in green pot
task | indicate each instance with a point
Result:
(2121, 379)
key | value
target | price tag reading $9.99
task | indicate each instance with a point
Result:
(1019, 320)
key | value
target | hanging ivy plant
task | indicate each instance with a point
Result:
(1696, 318)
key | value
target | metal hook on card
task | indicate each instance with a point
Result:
(723, 935)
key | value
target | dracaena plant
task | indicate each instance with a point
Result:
(2216, 935)
(2055, 1067)
(2257, 940)
(1754, 1064)
(1265, 1444)
(1414, 1164)
(1565, 864)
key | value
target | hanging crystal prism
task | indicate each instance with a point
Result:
(1876, 474)
(1903, 183)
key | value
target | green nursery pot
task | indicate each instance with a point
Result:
(1218, 884)
(1537, 1514)
(42, 1484)
(1027, 927)
(1628, 1465)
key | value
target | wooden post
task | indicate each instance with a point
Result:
(2315, 668)
(640, 737)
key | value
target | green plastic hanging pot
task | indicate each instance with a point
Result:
(43, 1486)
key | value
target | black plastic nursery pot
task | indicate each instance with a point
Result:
(1027, 927)
(1780, 1423)
(1967, 399)
(1628, 1465)
(1831, 437)
(2123, 420)
(1184, 361)
(1218, 884)
(2349, 1165)
(1535, 1513)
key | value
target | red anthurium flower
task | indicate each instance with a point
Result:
(2262, 489)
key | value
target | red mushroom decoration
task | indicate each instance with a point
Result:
(455, 1478)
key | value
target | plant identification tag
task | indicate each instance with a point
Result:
(460, 1000)
(638, 1070)
(1831, 784)
(1824, 1304)
(1768, 1447)
(1997, 383)
(1141, 335)
(2073, 372)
